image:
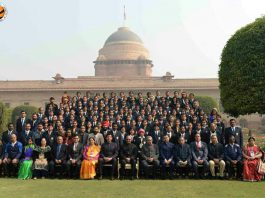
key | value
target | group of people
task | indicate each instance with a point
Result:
(158, 136)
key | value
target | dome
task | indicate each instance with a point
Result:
(123, 34)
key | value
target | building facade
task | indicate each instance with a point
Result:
(123, 64)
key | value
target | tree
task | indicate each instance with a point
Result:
(28, 109)
(5, 117)
(207, 103)
(242, 71)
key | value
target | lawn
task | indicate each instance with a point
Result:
(137, 188)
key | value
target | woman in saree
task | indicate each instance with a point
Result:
(25, 169)
(251, 154)
(41, 156)
(90, 159)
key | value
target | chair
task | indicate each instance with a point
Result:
(110, 165)
(129, 167)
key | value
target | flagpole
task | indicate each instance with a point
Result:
(124, 16)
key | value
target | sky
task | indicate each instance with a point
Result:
(185, 37)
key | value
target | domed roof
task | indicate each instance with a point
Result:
(123, 34)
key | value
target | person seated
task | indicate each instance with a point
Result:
(199, 154)
(108, 155)
(128, 154)
(13, 152)
(166, 156)
(233, 158)
(216, 157)
(182, 157)
(75, 152)
(149, 156)
(251, 154)
(41, 157)
(90, 159)
(58, 161)
(25, 169)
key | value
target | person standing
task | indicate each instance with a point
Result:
(236, 132)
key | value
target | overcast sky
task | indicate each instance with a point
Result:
(185, 37)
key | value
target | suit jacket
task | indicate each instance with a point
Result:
(13, 152)
(2, 151)
(128, 151)
(6, 137)
(237, 133)
(182, 152)
(201, 153)
(77, 154)
(215, 151)
(186, 136)
(62, 155)
(157, 139)
(24, 137)
(34, 126)
(51, 139)
(109, 150)
(116, 137)
(83, 137)
(150, 151)
(19, 126)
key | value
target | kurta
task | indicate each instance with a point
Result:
(88, 167)
(250, 172)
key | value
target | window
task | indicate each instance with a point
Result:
(26, 103)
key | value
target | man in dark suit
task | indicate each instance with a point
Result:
(83, 136)
(182, 157)
(34, 122)
(21, 123)
(185, 134)
(214, 131)
(59, 155)
(116, 134)
(7, 134)
(156, 135)
(108, 154)
(75, 152)
(51, 107)
(216, 156)
(26, 134)
(50, 136)
(166, 152)
(128, 154)
(199, 153)
(235, 131)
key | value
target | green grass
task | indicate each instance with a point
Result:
(138, 188)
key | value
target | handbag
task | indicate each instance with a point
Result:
(261, 165)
